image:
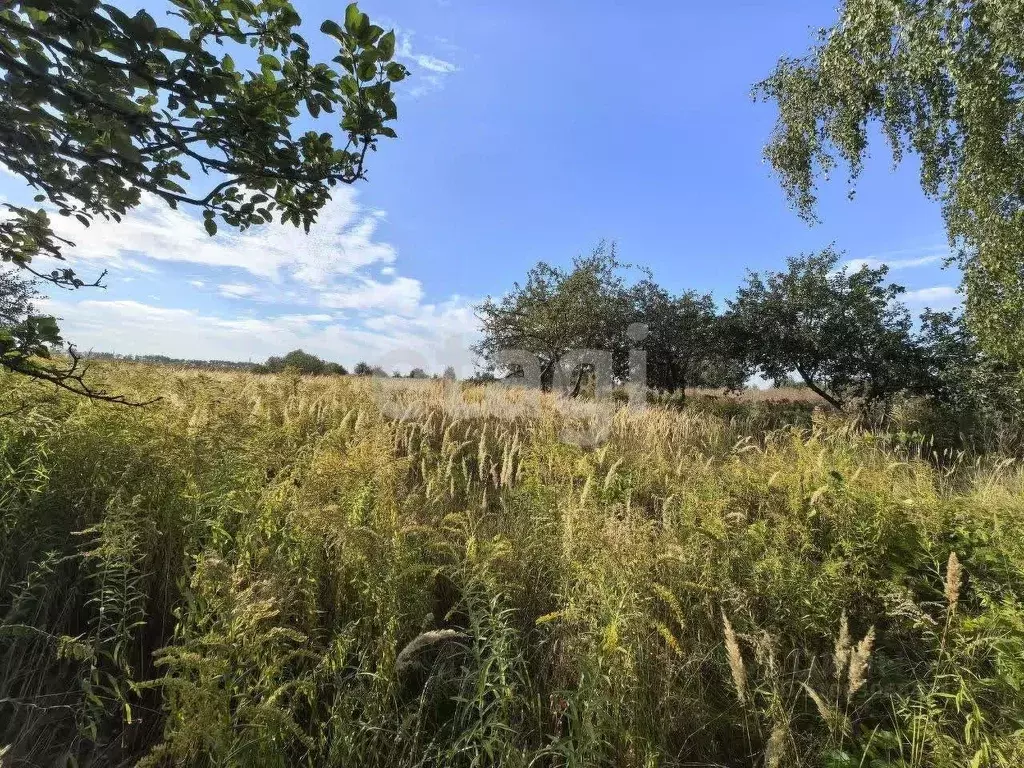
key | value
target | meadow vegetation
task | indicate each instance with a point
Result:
(285, 570)
(261, 567)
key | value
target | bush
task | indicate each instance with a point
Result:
(301, 362)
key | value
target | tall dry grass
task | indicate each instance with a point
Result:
(281, 571)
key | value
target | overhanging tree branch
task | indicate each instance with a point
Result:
(98, 107)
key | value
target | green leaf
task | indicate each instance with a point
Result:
(122, 19)
(145, 24)
(386, 46)
(37, 60)
(331, 28)
(227, 63)
(367, 69)
(369, 33)
(349, 85)
(396, 72)
(173, 186)
(211, 226)
(269, 61)
(352, 18)
(172, 42)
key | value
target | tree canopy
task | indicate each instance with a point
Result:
(27, 338)
(557, 310)
(365, 369)
(687, 344)
(99, 107)
(302, 362)
(591, 307)
(844, 332)
(23, 332)
(944, 80)
(965, 379)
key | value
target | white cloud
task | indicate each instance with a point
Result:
(401, 295)
(437, 335)
(909, 258)
(340, 243)
(428, 70)
(935, 297)
(434, 64)
(196, 283)
(238, 290)
(853, 265)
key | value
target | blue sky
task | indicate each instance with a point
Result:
(528, 131)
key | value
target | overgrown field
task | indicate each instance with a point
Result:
(340, 571)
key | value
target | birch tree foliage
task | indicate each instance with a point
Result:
(944, 80)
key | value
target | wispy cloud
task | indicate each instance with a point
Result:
(336, 292)
(340, 243)
(237, 290)
(908, 258)
(434, 64)
(429, 71)
(855, 264)
(936, 297)
(434, 337)
(402, 295)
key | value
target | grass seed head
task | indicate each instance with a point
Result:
(732, 649)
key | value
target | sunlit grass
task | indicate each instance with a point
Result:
(272, 570)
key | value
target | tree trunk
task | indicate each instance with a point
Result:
(678, 378)
(834, 402)
(547, 377)
(579, 382)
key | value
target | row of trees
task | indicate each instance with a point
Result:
(178, 362)
(98, 106)
(844, 333)
(590, 307)
(310, 365)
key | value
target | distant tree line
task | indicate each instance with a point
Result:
(214, 365)
(309, 364)
(298, 360)
(843, 333)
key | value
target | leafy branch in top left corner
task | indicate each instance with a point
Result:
(99, 107)
(27, 338)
